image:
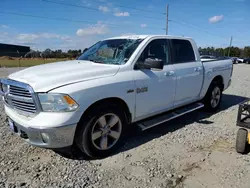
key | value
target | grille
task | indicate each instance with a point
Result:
(24, 106)
(18, 91)
(20, 98)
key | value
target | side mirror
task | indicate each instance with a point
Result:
(151, 64)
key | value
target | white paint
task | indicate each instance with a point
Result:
(88, 82)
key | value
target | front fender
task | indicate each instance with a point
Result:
(89, 92)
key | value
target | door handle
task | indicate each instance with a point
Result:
(197, 69)
(169, 73)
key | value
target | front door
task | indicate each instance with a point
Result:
(154, 88)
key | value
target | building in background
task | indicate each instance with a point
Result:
(13, 50)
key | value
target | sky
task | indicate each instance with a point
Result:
(76, 24)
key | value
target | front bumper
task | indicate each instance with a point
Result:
(56, 137)
(47, 130)
(42, 129)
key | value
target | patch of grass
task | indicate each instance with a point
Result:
(26, 63)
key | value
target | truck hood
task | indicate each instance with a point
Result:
(43, 78)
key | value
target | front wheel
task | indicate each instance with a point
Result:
(212, 99)
(100, 134)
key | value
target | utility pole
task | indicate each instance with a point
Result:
(167, 19)
(230, 46)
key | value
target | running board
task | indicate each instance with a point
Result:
(146, 124)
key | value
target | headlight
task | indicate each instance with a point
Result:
(57, 102)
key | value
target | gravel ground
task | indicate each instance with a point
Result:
(197, 150)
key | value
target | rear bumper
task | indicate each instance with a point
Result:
(56, 137)
(228, 85)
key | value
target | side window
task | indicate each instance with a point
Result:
(182, 51)
(156, 49)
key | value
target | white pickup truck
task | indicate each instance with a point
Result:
(119, 82)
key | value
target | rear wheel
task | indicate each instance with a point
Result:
(241, 141)
(212, 99)
(100, 134)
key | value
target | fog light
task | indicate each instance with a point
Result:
(45, 137)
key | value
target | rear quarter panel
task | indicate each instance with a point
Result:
(216, 68)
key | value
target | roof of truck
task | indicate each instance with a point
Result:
(146, 36)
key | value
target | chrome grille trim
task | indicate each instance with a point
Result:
(24, 99)
(23, 103)
(19, 92)
(21, 97)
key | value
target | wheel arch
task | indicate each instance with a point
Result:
(218, 80)
(107, 101)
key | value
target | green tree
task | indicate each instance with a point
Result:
(246, 51)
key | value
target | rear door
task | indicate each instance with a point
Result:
(188, 71)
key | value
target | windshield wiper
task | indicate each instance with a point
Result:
(95, 61)
(101, 62)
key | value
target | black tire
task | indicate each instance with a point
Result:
(85, 127)
(209, 95)
(241, 141)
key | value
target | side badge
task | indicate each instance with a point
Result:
(141, 89)
(130, 91)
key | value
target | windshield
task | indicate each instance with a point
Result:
(114, 51)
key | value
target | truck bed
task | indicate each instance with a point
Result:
(216, 67)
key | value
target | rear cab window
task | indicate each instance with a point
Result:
(182, 51)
